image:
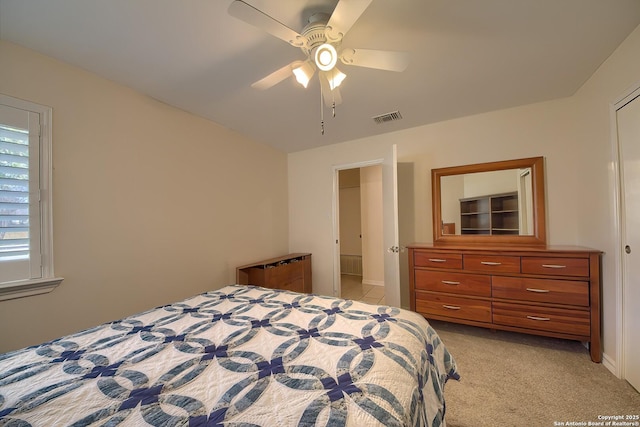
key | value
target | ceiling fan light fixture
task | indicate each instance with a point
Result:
(326, 57)
(304, 73)
(319, 41)
(335, 77)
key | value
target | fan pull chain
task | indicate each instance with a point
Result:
(333, 106)
(321, 112)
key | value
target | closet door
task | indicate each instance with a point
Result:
(628, 118)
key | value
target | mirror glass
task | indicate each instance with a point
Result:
(497, 202)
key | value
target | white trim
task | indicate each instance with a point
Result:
(335, 208)
(617, 366)
(46, 194)
(47, 281)
(610, 364)
(629, 95)
(373, 282)
(26, 288)
(614, 173)
(392, 290)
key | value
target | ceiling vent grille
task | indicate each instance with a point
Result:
(388, 117)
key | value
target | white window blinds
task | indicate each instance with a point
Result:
(19, 195)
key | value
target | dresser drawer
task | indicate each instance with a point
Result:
(575, 322)
(289, 276)
(293, 285)
(556, 266)
(437, 260)
(457, 283)
(492, 263)
(448, 306)
(570, 292)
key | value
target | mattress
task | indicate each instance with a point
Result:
(237, 356)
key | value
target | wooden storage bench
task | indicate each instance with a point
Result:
(290, 272)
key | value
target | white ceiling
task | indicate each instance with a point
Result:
(466, 57)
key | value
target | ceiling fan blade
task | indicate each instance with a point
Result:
(276, 77)
(379, 59)
(249, 14)
(330, 96)
(343, 17)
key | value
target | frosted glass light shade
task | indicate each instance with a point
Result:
(335, 77)
(304, 73)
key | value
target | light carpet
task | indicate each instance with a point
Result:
(511, 379)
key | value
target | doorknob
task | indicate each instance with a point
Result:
(627, 249)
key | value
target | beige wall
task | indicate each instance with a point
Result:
(595, 167)
(311, 202)
(350, 221)
(151, 204)
(350, 218)
(573, 134)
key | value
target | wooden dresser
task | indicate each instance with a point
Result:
(542, 290)
(290, 272)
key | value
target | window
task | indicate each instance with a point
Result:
(26, 246)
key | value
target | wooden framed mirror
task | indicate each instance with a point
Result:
(492, 203)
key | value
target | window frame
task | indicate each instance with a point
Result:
(48, 281)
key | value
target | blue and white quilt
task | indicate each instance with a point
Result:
(240, 356)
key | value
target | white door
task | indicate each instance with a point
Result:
(390, 224)
(628, 122)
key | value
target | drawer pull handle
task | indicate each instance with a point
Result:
(490, 263)
(451, 307)
(540, 291)
(437, 260)
(449, 282)
(539, 318)
(553, 266)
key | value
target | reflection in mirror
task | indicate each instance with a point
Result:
(497, 202)
(487, 203)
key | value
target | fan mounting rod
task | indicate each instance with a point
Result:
(314, 32)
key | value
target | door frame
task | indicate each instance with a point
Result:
(336, 216)
(617, 367)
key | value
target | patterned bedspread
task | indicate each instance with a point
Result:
(238, 356)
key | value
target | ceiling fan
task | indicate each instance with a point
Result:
(321, 42)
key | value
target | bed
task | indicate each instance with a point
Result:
(238, 356)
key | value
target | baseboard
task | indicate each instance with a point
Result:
(607, 362)
(611, 365)
(373, 282)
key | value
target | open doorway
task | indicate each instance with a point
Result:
(360, 239)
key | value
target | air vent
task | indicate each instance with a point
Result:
(388, 117)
